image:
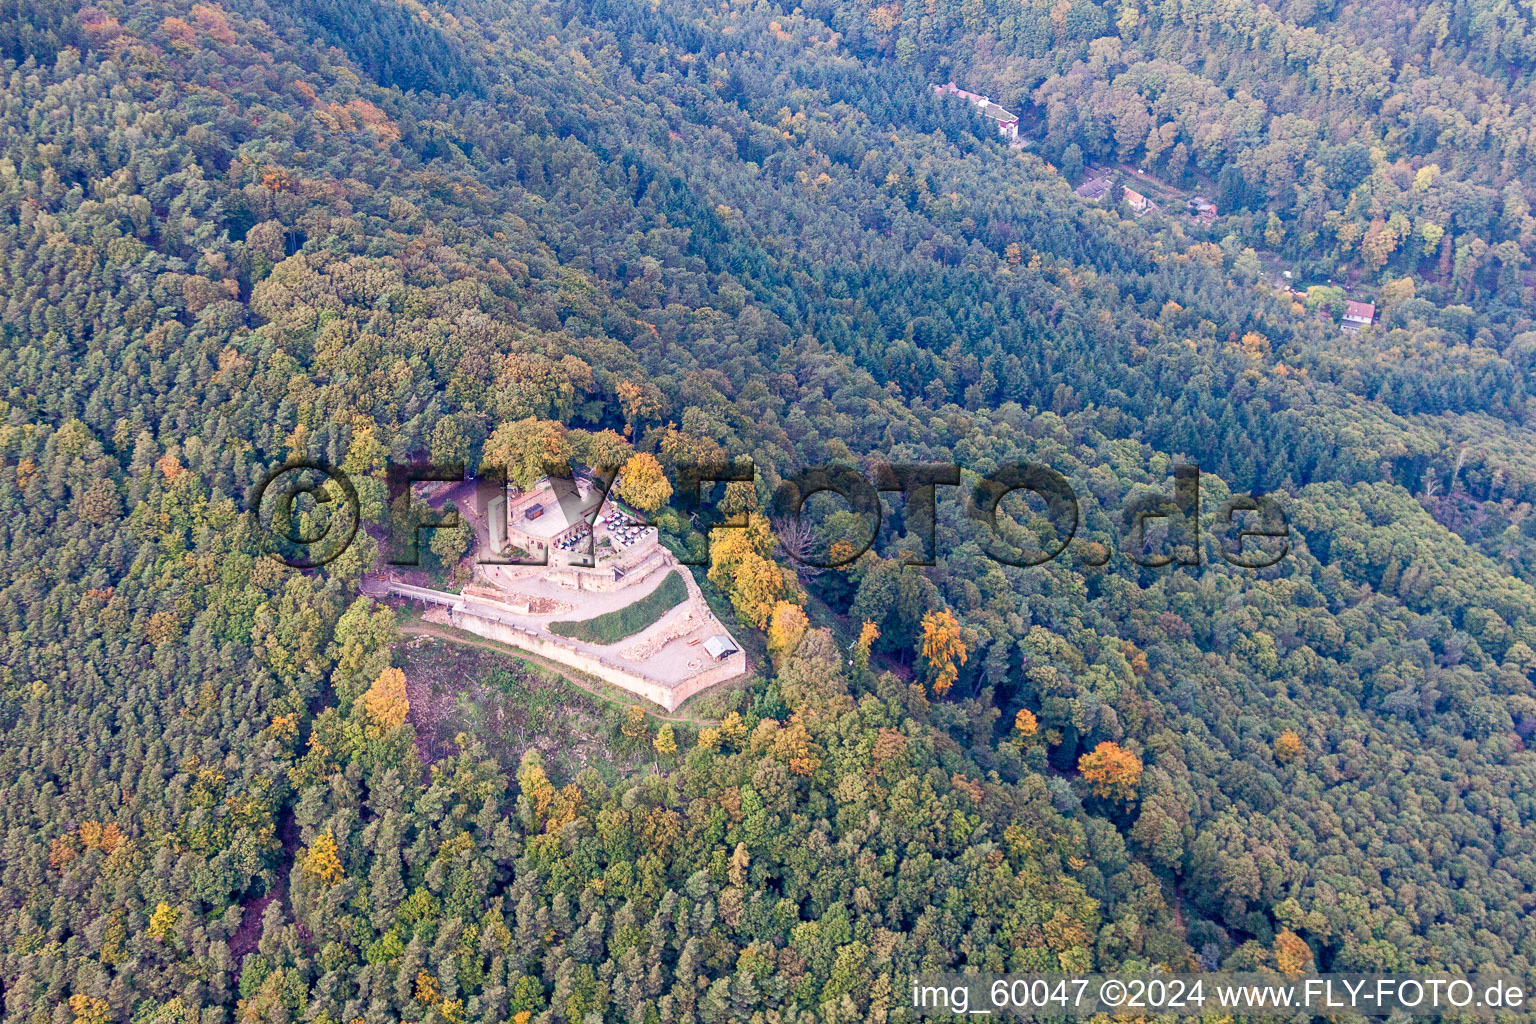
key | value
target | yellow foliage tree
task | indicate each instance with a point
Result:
(644, 483)
(792, 746)
(163, 628)
(665, 741)
(634, 722)
(385, 702)
(89, 1009)
(733, 729)
(162, 923)
(1025, 724)
(1292, 954)
(786, 626)
(868, 634)
(758, 585)
(284, 727)
(1287, 747)
(321, 861)
(640, 402)
(1113, 770)
(737, 565)
(426, 989)
(741, 859)
(535, 784)
(563, 808)
(1254, 344)
(96, 836)
(943, 648)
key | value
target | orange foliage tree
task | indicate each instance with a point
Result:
(1292, 954)
(1113, 770)
(385, 702)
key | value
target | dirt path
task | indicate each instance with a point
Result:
(440, 633)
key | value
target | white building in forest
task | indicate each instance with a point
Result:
(1007, 123)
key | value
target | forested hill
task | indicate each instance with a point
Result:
(1352, 136)
(355, 232)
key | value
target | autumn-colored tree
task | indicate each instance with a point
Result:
(739, 567)
(534, 784)
(564, 806)
(385, 703)
(1137, 658)
(1025, 724)
(642, 402)
(733, 729)
(1288, 747)
(1254, 344)
(321, 861)
(943, 648)
(89, 1009)
(162, 923)
(529, 449)
(786, 627)
(427, 993)
(644, 483)
(868, 634)
(740, 860)
(665, 741)
(634, 722)
(756, 589)
(97, 836)
(606, 451)
(792, 745)
(163, 627)
(1292, 954)
(1113, 771)
(842, 555)
(1395, 292)
(63, 851)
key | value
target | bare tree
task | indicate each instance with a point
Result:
(797, 540)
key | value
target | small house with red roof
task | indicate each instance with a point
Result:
(1358, 315)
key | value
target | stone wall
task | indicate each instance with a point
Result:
(668, 697)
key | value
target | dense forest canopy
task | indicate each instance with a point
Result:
(236, 235)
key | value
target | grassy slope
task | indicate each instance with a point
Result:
(611, 627)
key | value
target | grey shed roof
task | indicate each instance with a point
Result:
(719, 646)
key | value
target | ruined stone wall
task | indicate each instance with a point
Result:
(627, 679)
